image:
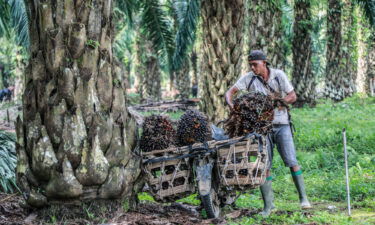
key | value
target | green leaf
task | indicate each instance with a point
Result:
(187, 15)
(8, 162)
(127, 7)
(368, 7)
(13, 18)
(158, 28)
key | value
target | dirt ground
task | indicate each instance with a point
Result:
(8, 117)
(11, 212)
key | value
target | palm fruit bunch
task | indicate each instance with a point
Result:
(252, 112)
(158, 133)
(193, 127)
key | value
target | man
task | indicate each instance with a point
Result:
(273, 82)
(6, 94)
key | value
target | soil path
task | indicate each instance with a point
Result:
(11, 212)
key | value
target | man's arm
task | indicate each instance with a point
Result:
(229, 95)
(290, 98)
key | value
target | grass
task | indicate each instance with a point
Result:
(172, 115)
(318, 140)
(319, 146)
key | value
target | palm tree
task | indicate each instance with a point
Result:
(222, 28)
(339, 71)
(147, 69)
(76, 137)
(13, 32)
(183, 80)
(266, 30)
(150, 82)
(371, 58)
(303, 79)
(171, 28)
(368, 7)
(186, 14)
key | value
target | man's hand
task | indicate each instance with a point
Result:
(274, 96)
(280, 103)
(290, 98)
(229, 95)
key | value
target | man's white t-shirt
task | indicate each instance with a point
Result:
(283, 87)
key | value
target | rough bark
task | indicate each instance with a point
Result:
(362, 81)
(303, 79)
(333, 49)
(222, 28)
(350, 47)
(341, 68)
(76, 137)
(370, 73)
(266, 31)
(183, 80)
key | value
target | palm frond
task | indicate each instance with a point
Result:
(5, 18)
(157, 28)
(127, 8)
(368, 7)
(274, 4)
(123, 43)
(20, 21)
(8, 162)
(187, 16)
(13, 16)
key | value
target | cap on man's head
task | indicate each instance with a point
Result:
(257, 55)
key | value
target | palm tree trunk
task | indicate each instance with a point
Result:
(76, 136)
(370, 73)
(222, 24)
(332, 89)
(350, 47)
(139, 64)
(266, 31)
(303, 80)
(183, 80)
(151, 88)
(194, 67)
(340, 73)
(147, 70)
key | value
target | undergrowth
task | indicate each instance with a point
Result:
(8, 162)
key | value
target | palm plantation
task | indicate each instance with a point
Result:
(80, 65)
